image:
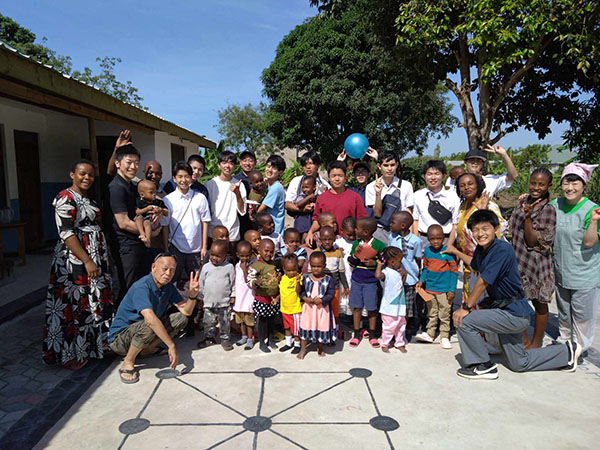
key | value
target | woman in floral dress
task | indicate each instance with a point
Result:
(79, 304)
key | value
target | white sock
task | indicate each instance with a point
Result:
(296, 343)
(288, 341)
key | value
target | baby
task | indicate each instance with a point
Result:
(455, 172)
(306, 204)
(146, 206)
(257, 193)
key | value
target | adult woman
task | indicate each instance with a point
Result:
(470, 188)
(576, 256)
(79, 303)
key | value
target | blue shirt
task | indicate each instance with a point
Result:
(497, 266)
(143, 294)
(275, 203)
(414, 249)
(300, 252)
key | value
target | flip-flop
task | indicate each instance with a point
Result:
(354, 342)
(129, 372)
(364, 334)
(160, 351)
(374, 343)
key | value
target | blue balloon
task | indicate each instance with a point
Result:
(356, 145)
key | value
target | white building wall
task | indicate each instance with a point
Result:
(163, 143)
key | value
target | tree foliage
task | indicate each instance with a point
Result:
(245, 127)
(105, 80)
(331, 77)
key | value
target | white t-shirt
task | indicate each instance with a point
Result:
(493, 183)
(447, 198)
(223, 206)
(406, 193)
(186, 214)
(291, 195)
(277, 240)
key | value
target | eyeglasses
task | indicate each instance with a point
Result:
(160, 255)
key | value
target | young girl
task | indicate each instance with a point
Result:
(532, 226)
(393, 303)
(317, 291)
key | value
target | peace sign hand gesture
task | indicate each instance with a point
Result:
(378, 186)
(194, 284)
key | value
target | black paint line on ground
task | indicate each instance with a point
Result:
(212, 398)
(387, 435)
(149, 398)
(226, 440)
(262, 396)
(372, 397)
(238, 424)
(288, 439)
(311, 397)
(321, 423)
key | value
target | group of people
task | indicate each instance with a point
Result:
(375, 253)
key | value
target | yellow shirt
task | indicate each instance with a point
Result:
(289, 300)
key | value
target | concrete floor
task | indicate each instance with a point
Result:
(322, 403)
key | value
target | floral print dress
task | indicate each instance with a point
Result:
(79, 310)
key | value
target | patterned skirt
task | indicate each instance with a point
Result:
(264, 309)
(317, 324)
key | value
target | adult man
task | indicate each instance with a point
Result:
(127, 249)
(247, 164)
(153, 172)
(141, 323)
(310, 162)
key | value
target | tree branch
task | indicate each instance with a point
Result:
(496, 138)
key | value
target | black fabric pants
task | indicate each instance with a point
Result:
(130, 262)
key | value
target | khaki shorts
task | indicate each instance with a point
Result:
(247, 318)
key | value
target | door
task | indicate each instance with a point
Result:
(30, 193)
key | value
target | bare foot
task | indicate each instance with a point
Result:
(301, 355)
(128, 376)
(402, 349)
(384, 349)
(321, 353)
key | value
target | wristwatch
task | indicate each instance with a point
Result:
(466, 307)
(193, 298)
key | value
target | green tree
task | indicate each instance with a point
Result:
(331, 77)
(510, 63)
(105, 80)
(245, 127)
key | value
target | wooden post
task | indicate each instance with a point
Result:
(94, 156)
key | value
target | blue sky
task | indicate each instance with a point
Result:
(189, 58)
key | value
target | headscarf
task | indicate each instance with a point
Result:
(583, 171)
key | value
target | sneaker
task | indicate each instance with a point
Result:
(445, 343)
(424, 337)
(207, 342)
(296, 350)
(264, 348)
(272, 343)
(285, 348)
(249, 345)
(242, 341)
(575, 351)
(484, 371)
(226, 345)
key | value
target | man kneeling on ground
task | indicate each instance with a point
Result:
(141, 323)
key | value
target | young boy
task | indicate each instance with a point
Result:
(198, 164)
(454, 173)
(292, 240)
(216, 293)
(266, 227)
(334, 267)
(363, 258)
(504, 311)
(274, 201)
(244, 314)
(399, 193)
(254, 238)
(264, 280)
(147, 204)
(306, 205)
(257, 193)
(435, 205)
(227, 197)
(439, 277)
(290, 302)
(189, 216)
(220, 233)
(345, 242)
(338, 200)
(412, 250)
(310, 162)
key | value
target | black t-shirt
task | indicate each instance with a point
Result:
(122, 196)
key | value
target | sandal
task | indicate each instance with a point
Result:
(129, 372)
(374, 343)
(364, 334)
(354, 342)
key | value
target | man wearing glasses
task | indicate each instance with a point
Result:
(141, 323)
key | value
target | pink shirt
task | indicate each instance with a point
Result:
(243, 294)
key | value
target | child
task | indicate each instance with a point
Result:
(290, 302)
(306, 205)
(439, 276)
(365, 251)
(257, 193)
(254, 238)
(325, 219)
(317, 291)
(220, 233)
(244, 314)
(338, 200)
(345, 242)
(189, 218)
(454, 173)
(263, 279)
(146, 206)
(334, 267)
(393, 303)
(532, 227)
(504, 311)
(216, 293)
(266, 228)
(291, 238)
(310, 162)
(274, 201)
